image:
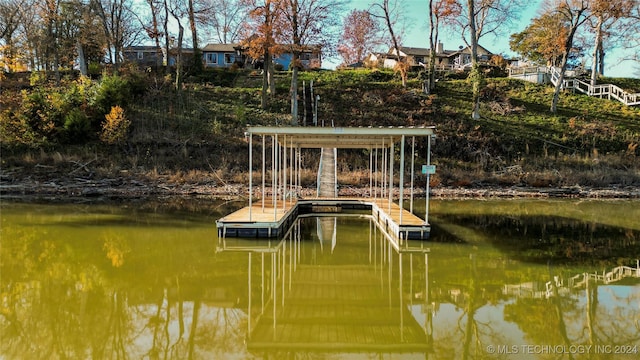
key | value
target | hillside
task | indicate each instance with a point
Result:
(193, 142)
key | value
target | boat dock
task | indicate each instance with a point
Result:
(272, 214)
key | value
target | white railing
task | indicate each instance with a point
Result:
(609, 91)
(581, 280)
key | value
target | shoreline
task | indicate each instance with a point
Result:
(133, 189)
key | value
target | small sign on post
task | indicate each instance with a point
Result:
(428, 169)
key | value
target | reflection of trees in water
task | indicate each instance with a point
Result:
(546, 238)
(87, 299)
(568, 321)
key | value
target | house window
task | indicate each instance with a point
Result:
(140, 55)
(211, 58)
(228, 58)
(305, 56)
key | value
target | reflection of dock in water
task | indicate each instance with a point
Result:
(364, 306)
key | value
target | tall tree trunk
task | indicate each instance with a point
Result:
(265, 79)
(295, 63)
(81, 58)
(179, 61)
(197, 54)
(596, 51)
(155, 33)
(565, 57)
(476, 76)
(396, 46)
(166, 35)
(294, 92)
(601, 60)
(433, 42)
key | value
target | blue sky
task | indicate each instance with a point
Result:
(417, 35)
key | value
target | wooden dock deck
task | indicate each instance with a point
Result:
(265, 221)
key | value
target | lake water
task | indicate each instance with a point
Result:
(500, 279)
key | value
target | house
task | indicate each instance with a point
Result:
(154, 56)
(448, 59)
(310, 57)
(223, 55)
(146, 56)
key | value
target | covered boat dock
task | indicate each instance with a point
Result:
(274, 212)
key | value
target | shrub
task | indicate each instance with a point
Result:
(115, 126)
(77, 126)
(113, 91)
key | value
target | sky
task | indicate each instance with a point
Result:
(417, 35)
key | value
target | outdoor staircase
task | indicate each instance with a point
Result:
(603, 91)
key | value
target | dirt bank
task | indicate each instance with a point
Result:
(64, 187)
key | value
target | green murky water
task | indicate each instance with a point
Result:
(498, 279)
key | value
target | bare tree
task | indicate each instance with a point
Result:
(118, 25)
(440, 11)
(606, 15)
(481, 18)
(197, 53)
(178, 12)
(390, 12)
(226, 18)
(308, 23)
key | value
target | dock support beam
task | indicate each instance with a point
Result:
(250, 174)
(401, 185)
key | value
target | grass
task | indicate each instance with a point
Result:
(197, 135)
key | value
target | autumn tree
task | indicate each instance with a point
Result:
(390, 13)
(10, 21)
(361, 33)
(305, 24)
(260, 41)
(572, 14)
(541, 42)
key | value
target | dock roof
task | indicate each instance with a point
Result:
(339, 137)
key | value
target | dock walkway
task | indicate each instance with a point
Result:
(267, 221)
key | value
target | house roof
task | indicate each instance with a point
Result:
(416, 51)
(152, 48)
(220, 47)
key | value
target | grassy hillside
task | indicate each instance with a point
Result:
(196, 136)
